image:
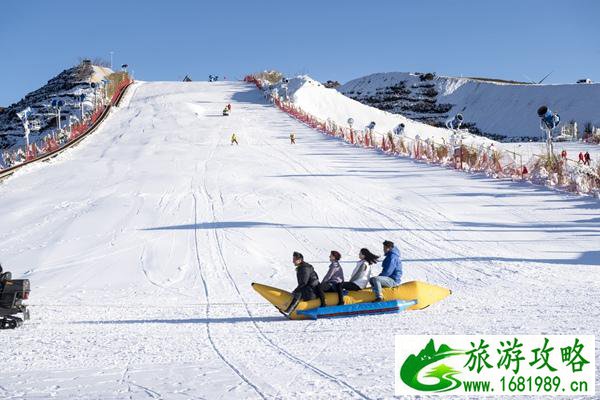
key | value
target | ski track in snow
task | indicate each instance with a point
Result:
(141, 244)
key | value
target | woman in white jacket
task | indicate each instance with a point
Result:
(361, 274)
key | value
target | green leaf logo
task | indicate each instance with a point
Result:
(409, 372)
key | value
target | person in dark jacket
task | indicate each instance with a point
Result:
(308, 284)
(391, 273)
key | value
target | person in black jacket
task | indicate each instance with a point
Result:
(308, 284)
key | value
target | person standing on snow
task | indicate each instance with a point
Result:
(234, 139)
(391, 274)
(563, 154)
(581, 157)
(229, 106)
(308, 284)
(292, 138)
(334, 276)
(587, 158)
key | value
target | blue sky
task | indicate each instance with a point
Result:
(337, 40)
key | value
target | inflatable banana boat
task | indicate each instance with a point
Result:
(413, 295)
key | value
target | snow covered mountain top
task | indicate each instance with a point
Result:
(66, 86)
(501, 109)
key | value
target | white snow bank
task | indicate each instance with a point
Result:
(100, 73)
(503, 108)
(324, 103)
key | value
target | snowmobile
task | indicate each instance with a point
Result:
(12, 294)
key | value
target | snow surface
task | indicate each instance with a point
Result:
(141, 244)
(325, 103)
(501, 108)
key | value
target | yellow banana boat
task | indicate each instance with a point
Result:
(423, 293)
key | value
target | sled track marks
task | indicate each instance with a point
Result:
(207, 309)
(262, 335)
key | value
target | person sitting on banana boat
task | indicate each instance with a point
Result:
(334, 277)
(391, 273)
(308, 287)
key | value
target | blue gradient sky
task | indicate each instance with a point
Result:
(337, 40)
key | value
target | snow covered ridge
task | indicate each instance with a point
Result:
(325, 109)
(321, 102)
(500, 109)
(62, 139)
(67, 86)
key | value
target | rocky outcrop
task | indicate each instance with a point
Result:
(501, 110)
(66, 86)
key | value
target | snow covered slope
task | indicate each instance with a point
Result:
(496, 108)
(141, 244)
(324, 103)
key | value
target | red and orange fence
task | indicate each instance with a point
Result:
(51, 145)
(495, 162)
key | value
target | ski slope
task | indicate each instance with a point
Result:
(141, 244)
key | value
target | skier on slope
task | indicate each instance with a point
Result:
(308, 284)
(225, 111)
(234, 139)
(292, 138)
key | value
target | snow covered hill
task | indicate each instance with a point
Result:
(66, 86)
(141, 244)
(500, 109)
(325, 103)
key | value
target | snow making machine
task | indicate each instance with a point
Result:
(12, 294)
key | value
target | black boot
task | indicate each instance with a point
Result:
(321, 295)
(340, 292)
(290, 309)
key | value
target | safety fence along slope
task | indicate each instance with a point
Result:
(549, 170)
(62, 139)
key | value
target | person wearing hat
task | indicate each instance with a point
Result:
(308, 284)
(391, 273)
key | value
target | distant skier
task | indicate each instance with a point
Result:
(334, 276)
(455, 123)
(581, 157)
(292, 138)
(308, 284)
(234, 139)
(229, 106)
(587, 158)
(392, 271)
(225, 111)
(563, 154)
